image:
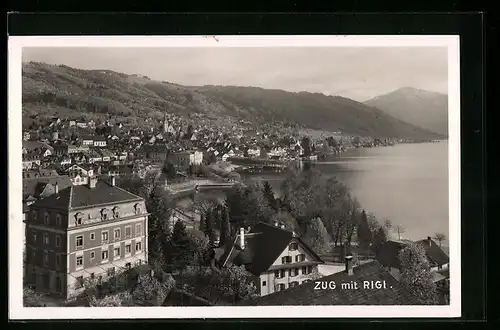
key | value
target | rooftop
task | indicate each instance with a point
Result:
(306, 294)
(83, 196)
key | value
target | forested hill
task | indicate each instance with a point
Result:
(50, 90)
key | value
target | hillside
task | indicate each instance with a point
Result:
(65, 91)
(422, 108)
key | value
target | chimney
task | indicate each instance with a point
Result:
(242, 238)
(348, 265)
(92, 182)
(56, 187)
(429, 240)
(113, 180)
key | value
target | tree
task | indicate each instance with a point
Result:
(200, 246)
(400, 230)
(180, 252)
(210, 223)
(170, 171)
(306, 146)
(388, 226)
(235, 284)
(114, 300)
(317, 237)
(202, 223)
(31, 298)
(363, 231)
(149, 290)
(225, 229)
(269, 195)
(416, 274)
(286, 218)
(440, 237)
(379, 239)
(332, 142)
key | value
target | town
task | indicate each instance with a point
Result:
(103, 226)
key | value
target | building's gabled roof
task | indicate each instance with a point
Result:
(263, 245)
(178, 297)
(34, 186)
(389, 253)
(84, 196)
(434, 253)
(305, 294)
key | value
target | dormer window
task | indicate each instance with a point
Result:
(137, 208)
(79, 218)
(35, 215)
(116, 212)
(104, 214)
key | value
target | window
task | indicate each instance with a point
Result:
(309, 269)
(293, 246)
(45, 256)
(58, 241)
(128, 231)
(300, 257)
(281, 286)
(92, 236)
(116, 212)
(137, 208)
(128, 248)
(104, 214)
(294, 283)
(78, 218)
(138, 229)
(117, 233)
(104, 236)
(79, 241)
(35, 215)
(92, 255)
(45, 239)
(138, 246)
(79, 261)
(104, 255)
(46, 218)
(264, 283)
(277, 274)
(293, 272)
(286, 260)
(128, 265)
(117, 252)
(58, 260)
(92, 275)
(34, 236)
(58, 219)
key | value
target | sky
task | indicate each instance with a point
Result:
(354, 72)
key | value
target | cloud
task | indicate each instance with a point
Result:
(356, 72)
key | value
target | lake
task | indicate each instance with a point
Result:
(406, 183)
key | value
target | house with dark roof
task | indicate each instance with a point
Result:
(85, 231)
(367, 284)
(388, 256)
(278, 258)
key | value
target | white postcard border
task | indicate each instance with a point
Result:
(15, 266)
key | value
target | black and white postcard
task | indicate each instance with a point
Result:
(234, 177)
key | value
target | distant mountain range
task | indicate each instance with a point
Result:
(49, 89)
(418, 107)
